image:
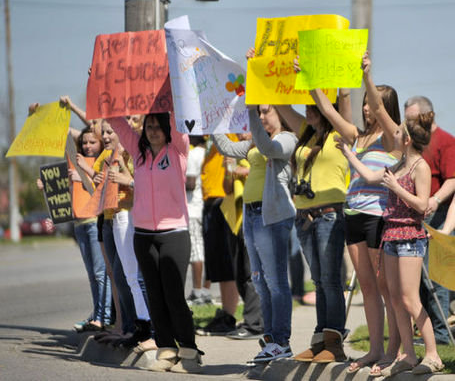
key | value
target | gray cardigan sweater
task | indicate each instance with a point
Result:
(277, 204)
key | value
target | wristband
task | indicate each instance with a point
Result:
(132, 184)
(437, 199)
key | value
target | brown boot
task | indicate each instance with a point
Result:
(317, 345)
(333, 347)
(189, 361)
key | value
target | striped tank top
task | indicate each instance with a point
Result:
(367, 198)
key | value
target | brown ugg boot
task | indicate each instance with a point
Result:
(165, 359)
(317, 345)
(189, 361)
(333, 347)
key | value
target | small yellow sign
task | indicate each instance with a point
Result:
(270, 75)
(44, 132)
(331, 58)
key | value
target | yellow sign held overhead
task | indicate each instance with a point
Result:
(270, 76)
(331, 58)
(44, 132)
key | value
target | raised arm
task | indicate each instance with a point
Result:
(179, 140)
(347, 130)
(79, 112)
(227, 147)
(344, 104)
(127, 137)
(376, 105)
(281, 147)
(294, 119)
(372, 177)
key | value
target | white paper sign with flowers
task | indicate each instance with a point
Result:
(208, 87)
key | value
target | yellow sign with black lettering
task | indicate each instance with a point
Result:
(270, 76)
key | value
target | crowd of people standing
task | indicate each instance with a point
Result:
(289, 178)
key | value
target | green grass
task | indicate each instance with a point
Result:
(203, 314)
(359, 341)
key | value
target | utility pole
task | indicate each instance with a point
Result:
(361, 19)
(12, 167)
(141, 15)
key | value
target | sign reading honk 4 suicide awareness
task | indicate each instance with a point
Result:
(44, 132)
(331, 58)
(270, 75)
(208, 87)
(129, 75)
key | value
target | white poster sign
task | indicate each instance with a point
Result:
(208, 87)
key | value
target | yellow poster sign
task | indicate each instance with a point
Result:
(44, 132)
(331, 58)
(441, 263)
(270, 75)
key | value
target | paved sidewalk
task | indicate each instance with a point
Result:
(225, 359)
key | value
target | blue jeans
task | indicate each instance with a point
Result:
(296, 265)
(323, 244)
(439, 328)
(128, 313)
(100, 284)
(268, 250)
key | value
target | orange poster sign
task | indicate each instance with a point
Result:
(129, 75)
(106, 193)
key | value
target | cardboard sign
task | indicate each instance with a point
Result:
(105, 195)
(331, 58)
(44, 132)
(441, 263)
(80, 195)
(129, 75)
(270, 75)
(208, 87)
(57, 191)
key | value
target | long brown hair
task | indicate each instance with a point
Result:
(390, 100)
(307, 135)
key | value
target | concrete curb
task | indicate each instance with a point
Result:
(279, 370)
(292, 370)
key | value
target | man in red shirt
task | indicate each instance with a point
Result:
(440, 156)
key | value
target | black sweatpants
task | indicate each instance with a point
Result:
(163, 258)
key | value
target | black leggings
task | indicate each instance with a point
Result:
(163, 258)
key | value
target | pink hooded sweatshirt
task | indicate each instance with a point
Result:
(160, 184)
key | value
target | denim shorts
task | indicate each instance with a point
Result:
(406, 248)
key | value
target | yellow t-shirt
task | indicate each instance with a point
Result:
(213, 172)
(108, 214)
(328, 174)
(253, 188)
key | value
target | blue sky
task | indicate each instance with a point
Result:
(413, 44)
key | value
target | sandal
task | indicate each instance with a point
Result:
(397, 367)
(360, 364)
(379, 366)
(428, 365)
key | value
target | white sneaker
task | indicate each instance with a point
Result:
(272, 351)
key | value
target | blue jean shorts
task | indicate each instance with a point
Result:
(407, 248)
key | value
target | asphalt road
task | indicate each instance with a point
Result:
(43, 291)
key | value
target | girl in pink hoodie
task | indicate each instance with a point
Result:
(161, 240)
